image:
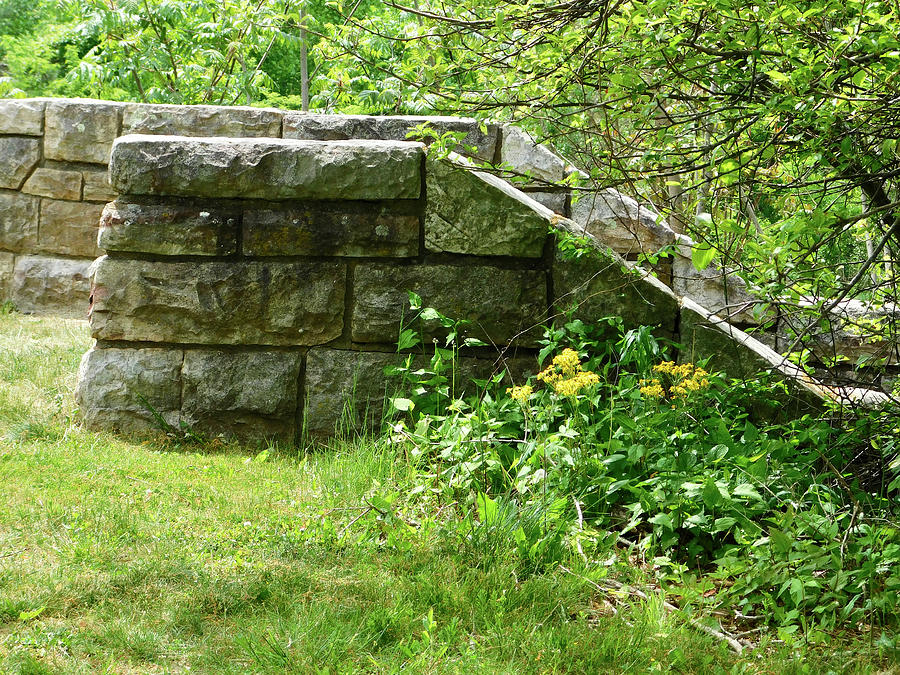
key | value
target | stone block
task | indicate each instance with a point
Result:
(555, 201)
(519, 152)
(332, 229)
(620, 222)
(24, 117)
(174, 227)
(248, 395)
(601, 284)
(241, 303)
(81, 130)
(18, 222)
(54, 183)
(477, 213)
(706, 336)
(347, 391)
(119, 389)
(97, 187)
(272, 169)
(477, 143)
(719, 291)
(502, 304)
(69, 228)
(7, 265)
(52, 286)
(18, 157)
(201, 120)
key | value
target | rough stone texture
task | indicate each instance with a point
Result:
(346, 391)
(81, 131)
(174, 227)
(18, 156)
(7, 264)
(24, 117)
(479, 214)
(201, 120)
(600, 284)
(500, 303)
(520, 152)
(555, 201)
(618, 221)
(332, 229)
(54, 183)
(118, 387)
(720, 292)
(18, 222)
(707, 336)
(478, 143)
(247, 395)
(266, 168)
(97, 187)
(51, 286)
(218, 302)
(69, 228)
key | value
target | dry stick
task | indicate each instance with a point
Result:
(610, 585)
(347, 526)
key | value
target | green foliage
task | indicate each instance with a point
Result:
(619, 447)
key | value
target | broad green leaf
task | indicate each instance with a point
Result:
(402, 404)
(702, 255)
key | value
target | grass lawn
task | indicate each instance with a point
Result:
(148, 557)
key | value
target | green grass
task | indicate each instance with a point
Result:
(146, 557)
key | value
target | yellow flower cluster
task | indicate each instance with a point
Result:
(686, 378)
(520, 394)
(652, 389)
(566, 375)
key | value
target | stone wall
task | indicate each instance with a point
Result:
(54, 155)
(256, 287)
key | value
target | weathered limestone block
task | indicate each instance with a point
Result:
(503, 305)
(18, 222)
(81, 130)
(266, 168)
(18, 156)
(69, 228)
(620, 222)
(479, 214)
(51, 286)
(118, 389)
(248, 395)
(555, 201)
(97, 187)
(182, 227)
(600, 284)
(332, 229)
(54, 183)
(24, 117)
(719, 291)
(201, 120)
(704, 335)
(7, 265)
(519, 151)
(348, 391)
(345, 390)
(477, 143)
(244, 303)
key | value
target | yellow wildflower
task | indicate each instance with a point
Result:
(683, 379)
(520, 394)
(565, 374)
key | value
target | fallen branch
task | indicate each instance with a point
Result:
(611, 585)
